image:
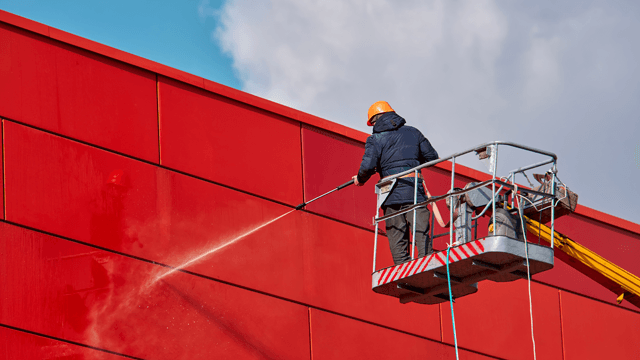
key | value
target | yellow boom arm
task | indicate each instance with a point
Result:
(623, 283)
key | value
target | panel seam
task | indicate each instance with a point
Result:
(335, 136)
(441, 323)
(561, 324)
(302, 163)
(67, 341)
(146, 162)
(4, 176)
(310, 337)
(158, 118)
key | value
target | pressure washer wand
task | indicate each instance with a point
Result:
(336, 189)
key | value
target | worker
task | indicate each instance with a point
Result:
(393, 148)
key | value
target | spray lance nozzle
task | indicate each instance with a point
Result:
(350, 182)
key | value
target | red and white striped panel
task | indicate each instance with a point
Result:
(412, 267)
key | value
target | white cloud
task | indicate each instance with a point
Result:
(562, 78)
(542, 71)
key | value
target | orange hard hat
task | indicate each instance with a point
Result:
(378, 107)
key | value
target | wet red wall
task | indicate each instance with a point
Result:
(117, 170)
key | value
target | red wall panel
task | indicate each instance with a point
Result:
(329, 161)
(337, 265)
(78, 94)
(359, 340)
(171, 218)
(593, 330)
(25, 346)
(496, 321)
(79, 293)
(230, 142)
(73, 189)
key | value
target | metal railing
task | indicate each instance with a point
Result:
(506, 184)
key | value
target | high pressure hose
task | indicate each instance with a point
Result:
(526, 253)
(453, 319)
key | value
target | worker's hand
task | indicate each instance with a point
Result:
(355, 181)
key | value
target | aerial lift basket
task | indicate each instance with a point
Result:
(500, 256)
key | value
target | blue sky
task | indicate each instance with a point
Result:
(171, 32)
(558, 76)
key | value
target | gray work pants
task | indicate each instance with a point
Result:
(399, 229)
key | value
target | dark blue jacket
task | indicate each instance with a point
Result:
(393, 148)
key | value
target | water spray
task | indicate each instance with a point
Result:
(219, 247)
(227, 243)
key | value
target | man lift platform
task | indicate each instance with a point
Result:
(501, 256)
(504, 254)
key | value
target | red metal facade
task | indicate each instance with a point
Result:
(79, 94)
(116, 170)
